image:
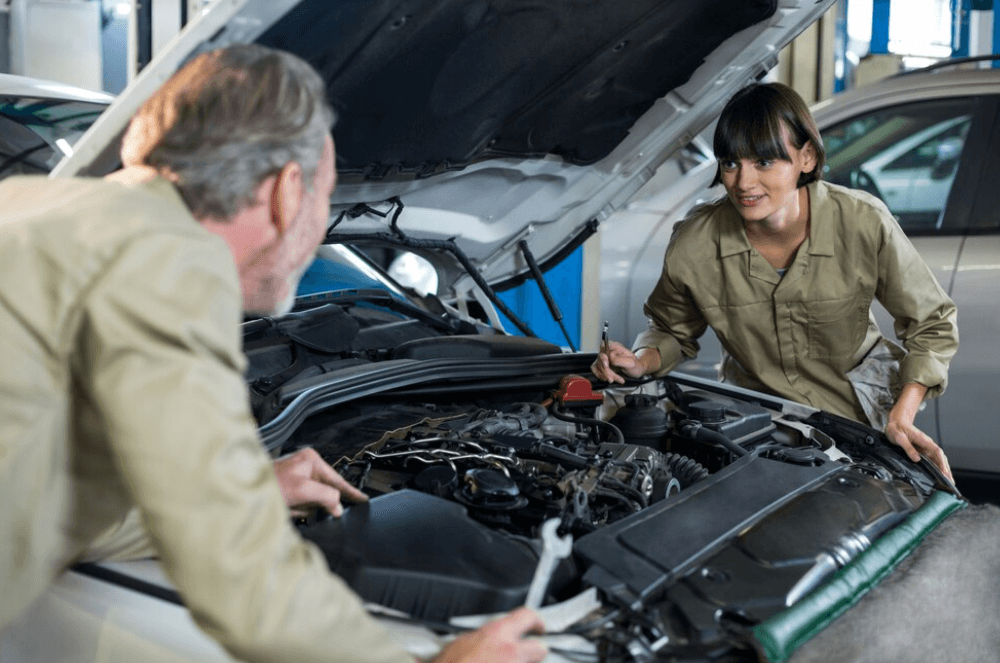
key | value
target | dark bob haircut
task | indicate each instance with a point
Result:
(750, 127)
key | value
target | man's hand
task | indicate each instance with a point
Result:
(500, 641)
(307, 482)
(615, 356)
(901, 431)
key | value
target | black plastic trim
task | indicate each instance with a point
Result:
(105, 574)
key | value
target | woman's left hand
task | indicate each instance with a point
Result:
(901, 431)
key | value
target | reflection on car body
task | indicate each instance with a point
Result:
(902, 160)
(40, 121)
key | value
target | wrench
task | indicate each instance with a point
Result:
(554, 549)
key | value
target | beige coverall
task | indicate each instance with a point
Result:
(809, 335)
(120, 385)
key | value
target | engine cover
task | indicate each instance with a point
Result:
(425, 556)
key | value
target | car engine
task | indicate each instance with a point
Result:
(695, 514)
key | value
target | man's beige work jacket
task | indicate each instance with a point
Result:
(120, 384)
(806, 335)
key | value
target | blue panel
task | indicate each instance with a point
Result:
(960, 28)
(526, 301)
(880, 26)
(324, 275)
(996, 36)
(840, 49)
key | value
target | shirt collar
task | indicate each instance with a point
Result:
(733, 236)
(822, 224)
(732, 233)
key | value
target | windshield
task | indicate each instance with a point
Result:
(36, 133)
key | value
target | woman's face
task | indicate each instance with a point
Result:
(765, 190)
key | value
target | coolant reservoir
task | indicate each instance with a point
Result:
(643, 422)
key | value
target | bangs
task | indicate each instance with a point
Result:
(750, 133)
(760, 122)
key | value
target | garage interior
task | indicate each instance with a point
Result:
(104, 44)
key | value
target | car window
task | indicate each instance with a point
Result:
(906, 155)
(32, 132)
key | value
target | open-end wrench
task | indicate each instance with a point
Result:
(554, 549)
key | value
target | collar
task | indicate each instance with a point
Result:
(732, 232)
(733, 235)
(822, 224)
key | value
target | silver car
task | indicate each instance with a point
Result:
(927, 143)
(41, 120)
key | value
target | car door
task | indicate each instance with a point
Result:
(968, 412)
(935, 153)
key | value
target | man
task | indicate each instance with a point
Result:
(122, 370)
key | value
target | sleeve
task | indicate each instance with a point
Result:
(675, 322)
(925, 317)
(159, 354)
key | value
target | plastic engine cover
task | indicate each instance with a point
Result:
(425, 556)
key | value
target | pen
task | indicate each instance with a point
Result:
(604, 338)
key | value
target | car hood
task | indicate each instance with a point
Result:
(489, 123)
(24, 86)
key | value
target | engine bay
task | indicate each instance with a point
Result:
(693, 513)
(690, 511)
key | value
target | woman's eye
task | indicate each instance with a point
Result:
(727, 165)
(765, 163)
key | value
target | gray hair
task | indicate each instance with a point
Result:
(229, 119)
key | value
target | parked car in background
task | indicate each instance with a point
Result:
(483, 137)
(926, 142)
(41, 120)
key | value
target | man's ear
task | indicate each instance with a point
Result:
(286, 196)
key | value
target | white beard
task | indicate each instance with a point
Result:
(285, 306)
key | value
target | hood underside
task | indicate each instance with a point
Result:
(425, 87)
(493, 121)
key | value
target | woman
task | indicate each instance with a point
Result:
(784, 269)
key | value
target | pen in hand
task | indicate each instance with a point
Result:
(604, 338)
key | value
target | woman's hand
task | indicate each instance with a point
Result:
(616, 361)
(901, 431)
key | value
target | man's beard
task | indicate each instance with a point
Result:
(285, 306)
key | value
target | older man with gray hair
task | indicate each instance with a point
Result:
(122, 388)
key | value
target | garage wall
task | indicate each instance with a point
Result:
(58, 40)
(807, 64)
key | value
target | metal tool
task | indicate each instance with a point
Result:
(554, 549)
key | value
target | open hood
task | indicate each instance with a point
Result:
(492, 122)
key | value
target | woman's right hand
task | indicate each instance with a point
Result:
(615, 362)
